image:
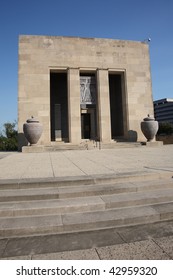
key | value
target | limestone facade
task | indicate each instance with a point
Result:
(109, 61)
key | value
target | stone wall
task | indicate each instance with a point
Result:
(38, 55)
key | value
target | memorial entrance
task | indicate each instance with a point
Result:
(86, 126)
(89, 108)
(88, 105)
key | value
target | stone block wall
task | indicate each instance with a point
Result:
(38, 55)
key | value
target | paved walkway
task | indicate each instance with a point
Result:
(146, 242)
(142, 242)
(85, 162)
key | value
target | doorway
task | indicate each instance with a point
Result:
(86, 126)
(88, 105)
(116, 105)
(59, 106)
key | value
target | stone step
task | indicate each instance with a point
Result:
(118, 145)
(62, 147)
(78, 222)
(49, 192)
(58, 147)
(84, 145)
(50, 207)
(84, 204)
(140, 198)
(117, 217)
(131, 177)
(42, 207)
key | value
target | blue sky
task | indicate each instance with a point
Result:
(126, 20)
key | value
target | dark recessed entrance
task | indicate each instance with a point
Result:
(58, 106)
(88, 104)
(86, 126)
(116, 105)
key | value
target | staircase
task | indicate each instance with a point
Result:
(84, 145)
(32, 208)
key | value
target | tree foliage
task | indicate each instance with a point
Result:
(165, 128)
(8, 138)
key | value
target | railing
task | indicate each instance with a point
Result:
(91, 144)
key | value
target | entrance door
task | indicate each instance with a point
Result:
(59, 106)
(116, 105)
(85, 126)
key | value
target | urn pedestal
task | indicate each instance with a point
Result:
(149, 128)
(32, 130)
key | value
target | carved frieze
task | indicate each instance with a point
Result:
(87, 90)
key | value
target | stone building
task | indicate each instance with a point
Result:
(83, 88)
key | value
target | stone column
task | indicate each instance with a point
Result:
(74, 115)
(104, 106)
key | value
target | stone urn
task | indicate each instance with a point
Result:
(149, 127)
(32, 130)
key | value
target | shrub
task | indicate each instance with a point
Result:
(8, 140)
(165, 128)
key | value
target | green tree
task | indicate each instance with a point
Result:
(165, 128)
(8, 139)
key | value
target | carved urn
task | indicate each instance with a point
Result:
(32, 130)
(149, 127)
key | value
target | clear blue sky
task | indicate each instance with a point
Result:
(126, 20)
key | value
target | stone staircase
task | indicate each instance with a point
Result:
(84, 145)
(54, 206)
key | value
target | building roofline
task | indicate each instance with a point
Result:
(81, 38)
(163, 100)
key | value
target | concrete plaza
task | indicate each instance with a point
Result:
(149, 241)
(79, 163)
